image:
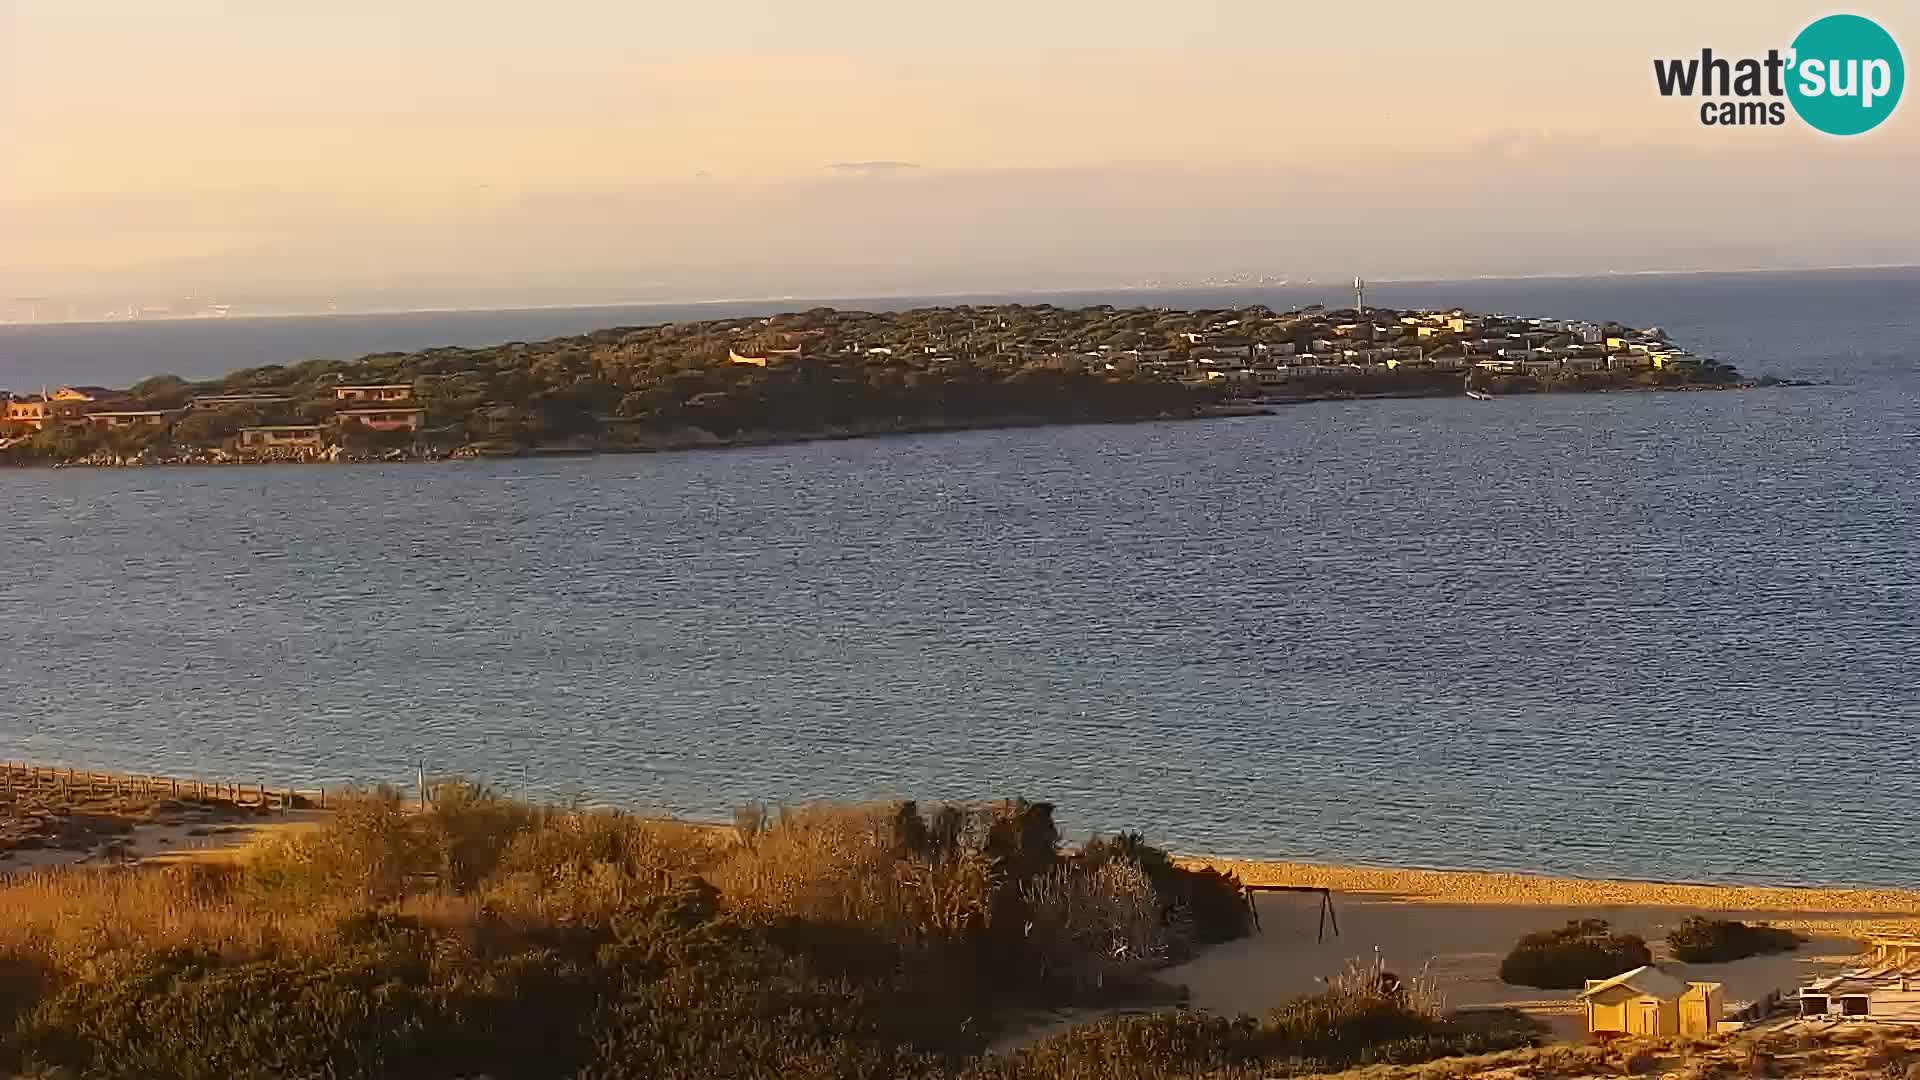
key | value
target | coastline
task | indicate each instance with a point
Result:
(1402, 884)
(693, 439)
(1448, 929)
(1498, 887)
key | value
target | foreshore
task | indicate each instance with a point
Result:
(694, 439)
(668, 443)
(1497, 887)
(1452, 927)
(1447, 928)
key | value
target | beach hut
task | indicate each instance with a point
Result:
(1648, 1001)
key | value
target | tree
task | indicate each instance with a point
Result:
(1566, 958)
(205, 427)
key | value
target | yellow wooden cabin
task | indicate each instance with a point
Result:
(1648, 1001)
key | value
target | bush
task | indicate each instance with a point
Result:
(1085, 929)
(480, 936)
(1364, 1017)
(1566, 958)
(1700, 940)
(1169, 1044)
(1208, 904)
(191, 1015)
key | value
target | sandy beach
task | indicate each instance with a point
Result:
(46, 828)
(1453, 927)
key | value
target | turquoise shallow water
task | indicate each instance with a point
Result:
(1655, 635)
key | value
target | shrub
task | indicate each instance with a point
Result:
(1209, 904)
(1169, 1044)
(483, 936)
(1087, 928)
(1566, 958)
(468, 829)
(1700, 940)
(187, 1015)
(367, 848)
(1361, 1018)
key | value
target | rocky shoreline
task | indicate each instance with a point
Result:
(676, 441)
(693, 438)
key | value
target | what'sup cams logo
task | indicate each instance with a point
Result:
(1842, 75)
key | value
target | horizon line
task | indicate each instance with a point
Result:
(817, 301)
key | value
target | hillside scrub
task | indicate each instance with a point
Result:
(1564, 959)
(487, 937)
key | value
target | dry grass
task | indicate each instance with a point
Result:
(1366, 977)
(836, 935)
(850, 865)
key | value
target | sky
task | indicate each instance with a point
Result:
(475, 153)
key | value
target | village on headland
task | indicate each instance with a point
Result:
(825, 373)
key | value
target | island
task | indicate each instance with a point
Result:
(826, 373)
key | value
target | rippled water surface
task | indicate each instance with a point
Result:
(1659, 635)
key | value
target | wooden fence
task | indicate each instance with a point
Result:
(16, 776)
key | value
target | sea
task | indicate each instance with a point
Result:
(1670, 636)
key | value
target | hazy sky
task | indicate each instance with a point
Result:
(815, 146)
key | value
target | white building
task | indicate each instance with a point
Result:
(1886, 988)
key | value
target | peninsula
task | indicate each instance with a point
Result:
(825, 373)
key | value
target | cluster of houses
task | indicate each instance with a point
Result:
(386, 407)
(1883, 987)
(1378, 340)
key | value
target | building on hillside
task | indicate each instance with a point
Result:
(1886, 988)
(284, 435)
(1648, 1001)
(31, 411)
(374, 392)
(1166, 369)
(134, 418)
(228, 401)
(1228, 345)
(385, 419)
(84, 395)
(1670, 360)
(761, 359)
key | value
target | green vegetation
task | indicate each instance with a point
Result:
(1566, 958)
(1700, 940)
(677, 384)
(824, 373)
(487, 937)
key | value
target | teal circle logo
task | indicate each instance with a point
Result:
(1846, 76)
